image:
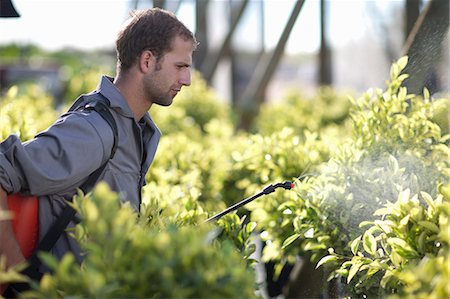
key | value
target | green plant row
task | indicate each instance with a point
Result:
(378, 211)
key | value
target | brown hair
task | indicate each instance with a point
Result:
(152, 29)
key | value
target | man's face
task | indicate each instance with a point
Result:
(170, 73)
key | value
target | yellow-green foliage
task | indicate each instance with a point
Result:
(429, 276)
(441, 115)
(198, 164)
(262, 159)
(397, 159)
(326, 108)
(395, 121)
(25, 111)
(132, 258)
(81, 80)
(192, 110)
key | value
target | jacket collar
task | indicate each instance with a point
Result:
(116, 99)
(107, 88)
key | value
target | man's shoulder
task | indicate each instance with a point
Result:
(84, 124)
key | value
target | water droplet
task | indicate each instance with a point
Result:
(287, 212)
(309, 233)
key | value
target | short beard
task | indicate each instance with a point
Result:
(158, 66)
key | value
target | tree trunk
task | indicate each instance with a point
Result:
(325, 71)
(424, 47)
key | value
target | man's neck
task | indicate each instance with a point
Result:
(131, 91)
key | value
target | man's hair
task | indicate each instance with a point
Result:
(153, 29)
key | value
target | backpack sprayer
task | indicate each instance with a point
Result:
(269, 189)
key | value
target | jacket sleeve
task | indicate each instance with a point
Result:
(58, 159)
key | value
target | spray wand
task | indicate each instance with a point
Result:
(269, 189)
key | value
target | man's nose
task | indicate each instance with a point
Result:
(185, 78)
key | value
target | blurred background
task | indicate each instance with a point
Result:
(251, 51)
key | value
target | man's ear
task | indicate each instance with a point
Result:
(146, 61)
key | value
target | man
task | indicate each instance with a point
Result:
(154, 52)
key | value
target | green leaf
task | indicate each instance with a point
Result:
(402, 62)
(403, 92)
(421, 241)
(402, 77)
(290, 240)
(405, 220)
(326, 259)
(430, 226)
(372, 271)
(393, 164)
(312, 246)
(396, 258)
(353, 270)
(402, 247)
(385, 280)
(382, 212)
(394, 71)
(365, 223)
(384, 225)
(426, 93)
(427, 197)
(403, 197)
(355, 245)
(369, 243)
(250, 227)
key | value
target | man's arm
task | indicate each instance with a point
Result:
(58, 159)
(8, 242)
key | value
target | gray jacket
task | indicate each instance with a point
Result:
(58, 160)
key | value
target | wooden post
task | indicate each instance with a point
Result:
(325, 73)
(254, 93)
(423, 46)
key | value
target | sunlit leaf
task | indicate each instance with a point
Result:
(290, 240)
(430, 226)
(369, 243)
(355, 245)
(327, 259)
(353, 270)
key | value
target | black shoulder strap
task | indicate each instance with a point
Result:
(101, 106)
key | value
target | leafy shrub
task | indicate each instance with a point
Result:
(259, 160)
(81, 80)
(396, 147)
(441, 115)
(193, 109)
(25, 111)
(409, 236)
(326, 108)
(131, 257)
(198, 164)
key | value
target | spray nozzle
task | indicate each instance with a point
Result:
(288, 185)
